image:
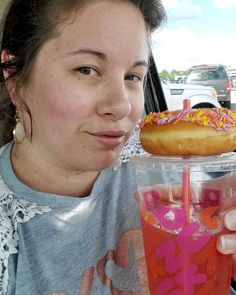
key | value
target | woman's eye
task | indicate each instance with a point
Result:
(134, 78)
(88, 71)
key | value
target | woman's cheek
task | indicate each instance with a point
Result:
(138, 108)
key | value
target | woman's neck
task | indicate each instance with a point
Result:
(43, 177)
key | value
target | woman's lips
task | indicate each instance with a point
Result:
(109, 139)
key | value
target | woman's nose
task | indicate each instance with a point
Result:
(116, 101)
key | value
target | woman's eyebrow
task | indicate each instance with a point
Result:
(141, 63)
(103, 56)
(88, 51)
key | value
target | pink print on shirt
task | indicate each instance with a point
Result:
(120, 257)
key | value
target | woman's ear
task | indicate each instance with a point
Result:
(6, 57)
(10, 84)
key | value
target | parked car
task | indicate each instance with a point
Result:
(215, 76)
(180, 79)
(233, 81)
(200, 96)
(231, 72)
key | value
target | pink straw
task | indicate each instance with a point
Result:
(186, 175)
(186, 104)
(186, 192)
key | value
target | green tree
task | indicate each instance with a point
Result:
(165, 75)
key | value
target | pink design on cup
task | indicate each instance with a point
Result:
(167, 250)
(211, 197)
(190, 241)
(176, 292)
(172, 219)
(165, 286)
(186, 241)
(188, 277)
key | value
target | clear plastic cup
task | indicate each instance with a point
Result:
(182, 202)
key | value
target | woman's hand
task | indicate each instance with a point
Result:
(227, 242)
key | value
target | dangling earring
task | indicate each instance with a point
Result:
(19, 131)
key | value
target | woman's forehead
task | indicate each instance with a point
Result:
(104, 24)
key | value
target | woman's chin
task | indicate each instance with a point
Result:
(106, 162)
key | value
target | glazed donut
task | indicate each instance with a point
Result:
(187, 132)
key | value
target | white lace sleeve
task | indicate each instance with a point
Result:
(133, 147)
(13, 210)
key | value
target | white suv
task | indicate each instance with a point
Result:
(199, 95)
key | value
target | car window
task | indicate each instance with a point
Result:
(207, 75)
(197, 76)
(212, 75)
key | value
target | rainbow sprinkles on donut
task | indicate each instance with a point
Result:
(206, 131)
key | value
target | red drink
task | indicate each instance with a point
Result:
(182, 203)
(184, 262)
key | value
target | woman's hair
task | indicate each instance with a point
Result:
(27, 25)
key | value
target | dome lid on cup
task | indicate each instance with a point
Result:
(218, 163)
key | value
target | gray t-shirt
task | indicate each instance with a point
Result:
(61, 245)
(68, 245)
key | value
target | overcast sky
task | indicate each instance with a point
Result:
(196, 32)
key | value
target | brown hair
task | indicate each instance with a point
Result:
(27, 25)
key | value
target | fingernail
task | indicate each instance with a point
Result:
(230, 220)
(227, 243)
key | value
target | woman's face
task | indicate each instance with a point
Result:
(86, 90)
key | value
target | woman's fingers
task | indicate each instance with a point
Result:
(226, 243)
(230, 219)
